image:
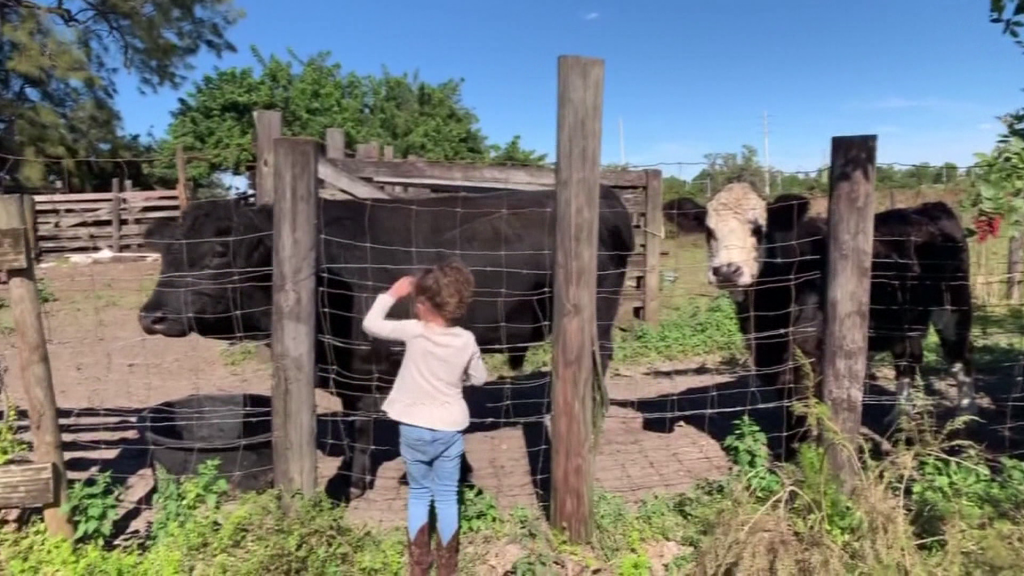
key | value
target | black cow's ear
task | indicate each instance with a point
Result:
(686, 215)
(160, 233)
(786, 211)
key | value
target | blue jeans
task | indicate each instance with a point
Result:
(433, 461)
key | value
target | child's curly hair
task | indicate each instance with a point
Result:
(447, 287)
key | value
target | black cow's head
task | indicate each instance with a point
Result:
(743, 230)
(215, 274)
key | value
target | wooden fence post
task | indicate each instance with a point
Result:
(268, 128)
(654, 231)
(179, 162)
(115, 213)
(334, 139)
(33, 357)
(294, 314)
(577, 181)
(389, 156)
(30, 226)
(368, 151)
(851, 230)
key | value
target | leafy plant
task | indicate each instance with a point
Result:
(747, 447)
(10, 445)
(178, 501)
(478, 512)
(92, 507)
(44, 291)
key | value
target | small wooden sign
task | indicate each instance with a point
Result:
(13, 249)
(25, 485)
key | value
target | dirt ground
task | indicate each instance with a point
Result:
(660, 433)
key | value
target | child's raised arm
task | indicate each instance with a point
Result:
(375, 324)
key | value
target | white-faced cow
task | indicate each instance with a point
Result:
(216, 271)
(771, 258)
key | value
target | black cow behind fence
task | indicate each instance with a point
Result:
(216, 278)
(773, 261)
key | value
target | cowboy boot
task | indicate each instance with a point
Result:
(447, 555)
(419, 552)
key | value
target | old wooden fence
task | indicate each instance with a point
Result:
(96, 220)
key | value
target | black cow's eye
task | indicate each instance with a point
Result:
(758, 231)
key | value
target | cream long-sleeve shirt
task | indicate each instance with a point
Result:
(438, 360)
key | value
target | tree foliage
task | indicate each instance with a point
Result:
(418, 118)
(59, 64)
(726, 167)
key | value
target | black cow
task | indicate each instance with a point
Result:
(773, 259)
(216, 271)
(686, 215)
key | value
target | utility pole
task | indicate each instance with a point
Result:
(622, 143)
(767, 160)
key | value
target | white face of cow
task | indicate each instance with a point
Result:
(736, 220)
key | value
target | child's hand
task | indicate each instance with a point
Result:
(402, 287)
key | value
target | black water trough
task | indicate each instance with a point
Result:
(181, 434)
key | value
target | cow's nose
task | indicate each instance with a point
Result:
(152, 321)
(726, 272)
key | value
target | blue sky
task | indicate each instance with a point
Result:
(686, 77)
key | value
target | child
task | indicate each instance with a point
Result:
(426, 401)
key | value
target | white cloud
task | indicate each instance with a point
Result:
(987, 126)
(592, 16)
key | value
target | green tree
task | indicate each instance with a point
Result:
(59, 60)
(428, 120)
(727, 167)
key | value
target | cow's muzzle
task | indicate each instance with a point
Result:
(727, 273)
(159, 322)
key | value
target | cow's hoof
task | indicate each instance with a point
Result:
(967, 407)
(356, 490)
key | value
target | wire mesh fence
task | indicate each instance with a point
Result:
(676, 383)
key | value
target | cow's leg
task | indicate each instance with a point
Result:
(954, 330)
(363, 425)
(908, 355)
(517, 357)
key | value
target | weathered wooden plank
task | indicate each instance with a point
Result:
(418, 171)
(89, 232)
(76, 219)
(26, 485)
(345, 182)
(58, 246)
(101, 196)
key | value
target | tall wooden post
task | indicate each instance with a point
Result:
(577, 180)
(179, 161)
(294, 314)
(30, 226)
(268, 128)
(115, 214)
(653, 233)
(851, 230)
(334, 138)
(33, 357)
